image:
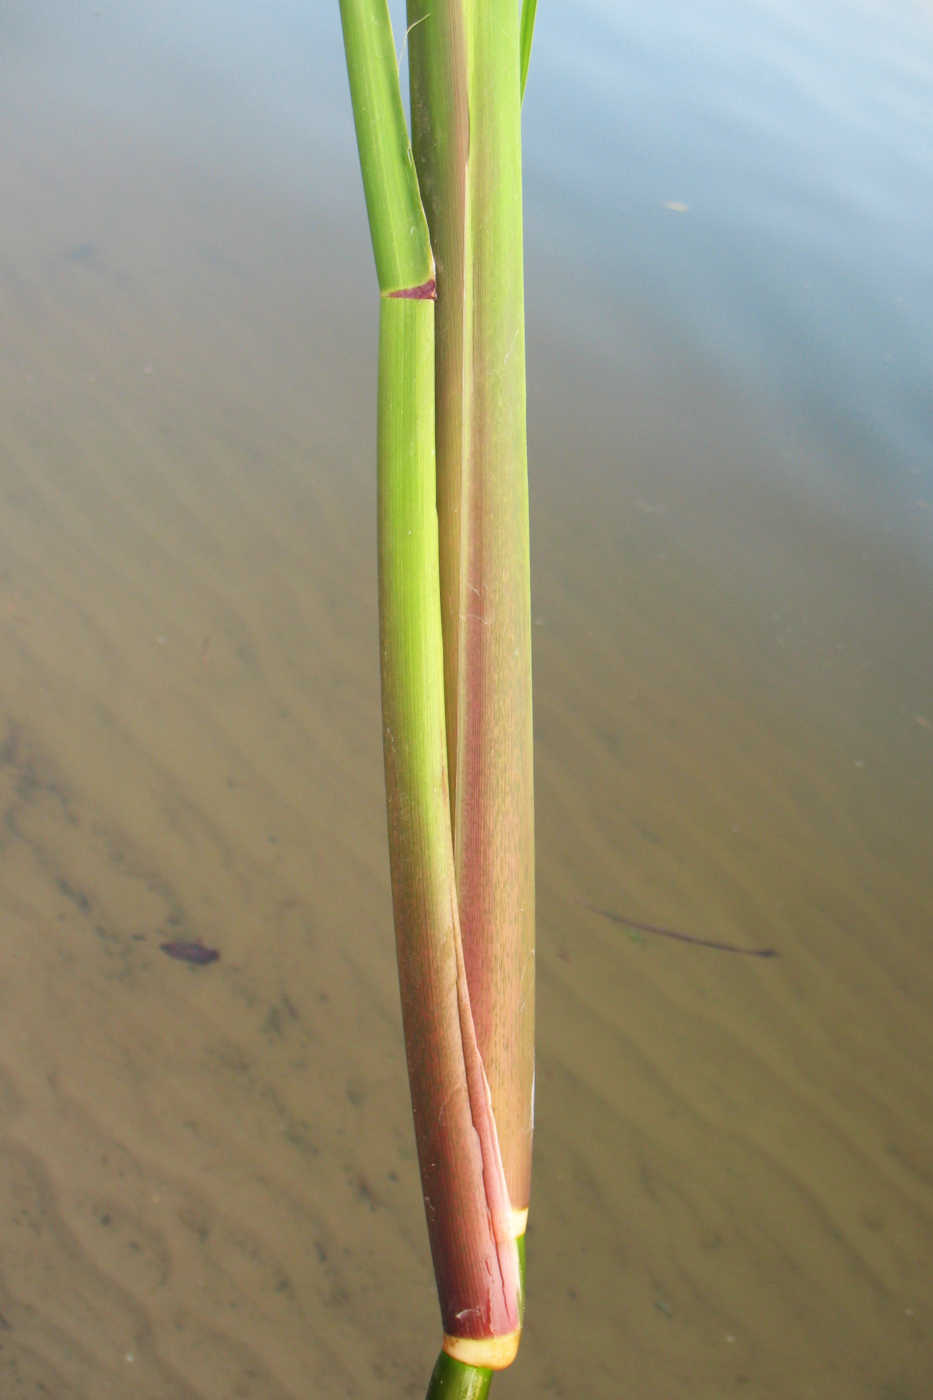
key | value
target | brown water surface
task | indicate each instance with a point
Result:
(207, 1173)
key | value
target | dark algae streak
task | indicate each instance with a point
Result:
(685, 937)
(195, 953)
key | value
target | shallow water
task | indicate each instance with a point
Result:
(208, 1171)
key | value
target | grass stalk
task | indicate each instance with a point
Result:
(455, 633)
(465, 64)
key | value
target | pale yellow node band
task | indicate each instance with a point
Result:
(495, 1353)
(519, 1222)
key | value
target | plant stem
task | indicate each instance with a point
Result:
(397, 225)
(465, 65)
(455, 635)
(452, 1380)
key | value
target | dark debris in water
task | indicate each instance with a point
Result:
(197, 953)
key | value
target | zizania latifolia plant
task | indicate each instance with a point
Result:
(445, 216)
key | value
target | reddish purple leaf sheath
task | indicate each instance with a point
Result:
(195, 953)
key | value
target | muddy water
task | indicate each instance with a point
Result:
(207, 1172)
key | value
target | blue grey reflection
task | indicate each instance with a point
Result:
(758, 175)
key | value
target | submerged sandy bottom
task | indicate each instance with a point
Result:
(207, 1174)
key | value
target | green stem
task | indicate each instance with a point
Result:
(452, 1380)
(465, 64)
(463, 1181)
(397, 224)
(455, 633)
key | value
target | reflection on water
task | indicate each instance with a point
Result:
(209, 1176)
(753, 176)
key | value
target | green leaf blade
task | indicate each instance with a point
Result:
(397, 224)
